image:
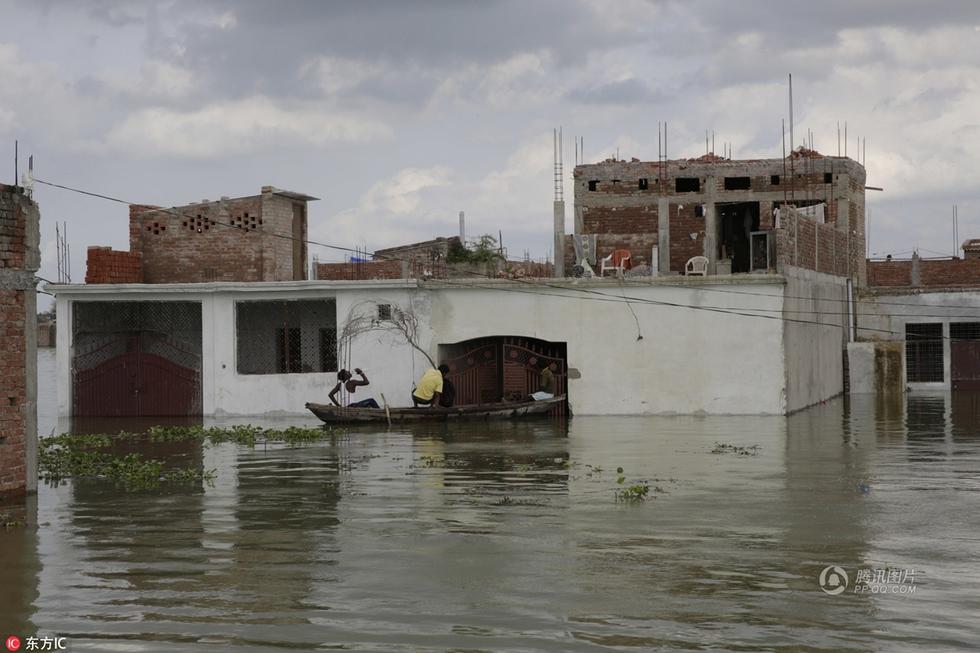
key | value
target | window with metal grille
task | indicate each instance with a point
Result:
(964, 330)
(384, 311)
(286, 337)
(924, 353)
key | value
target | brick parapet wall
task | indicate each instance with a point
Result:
(924, 273)
(226, 240)
(19, 260)
(353, 271)
(889, 273)
(807, 244)
(105, 265)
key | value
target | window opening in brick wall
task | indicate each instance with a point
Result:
(384, 311)
(593, 185)
(964, 330)
(774, 180)
(738, 183)
(924, 353)
(642, 183)
(828, 177)
(286, 337)
(687, 185)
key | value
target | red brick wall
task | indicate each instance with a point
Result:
(229, 240)
(359, 271)
(105, 265)
(941, 273)
(955, 272)
(19, 259)
(890, 273)
(620, 219)
(807, 244)
(683, 223)
(13, 391)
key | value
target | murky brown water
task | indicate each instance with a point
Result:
(503, 538)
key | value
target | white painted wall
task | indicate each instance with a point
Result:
(814, 334)
(717, 358)
(689, 361)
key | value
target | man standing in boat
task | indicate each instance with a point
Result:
(347, 380)
(430, 387)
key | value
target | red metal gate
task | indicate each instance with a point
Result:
(489, 370)
(965, 364)
(964, 355)
(137, 376)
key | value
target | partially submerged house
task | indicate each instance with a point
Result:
(195, 332)
(919, 324)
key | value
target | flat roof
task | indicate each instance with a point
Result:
(395, 284)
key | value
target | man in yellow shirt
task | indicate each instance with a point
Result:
(429, 387)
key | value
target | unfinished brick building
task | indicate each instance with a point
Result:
(256, 238)
(735, 213)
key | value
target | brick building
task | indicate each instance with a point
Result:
(20, 258)
(256, 238)
(736, 213)
(426, 260)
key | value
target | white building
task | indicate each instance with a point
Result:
(734, 344)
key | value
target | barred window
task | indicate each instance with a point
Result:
(286, 337)
(924, 352)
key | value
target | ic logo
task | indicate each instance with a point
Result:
(13, 643)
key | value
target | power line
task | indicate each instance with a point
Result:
(606, 296)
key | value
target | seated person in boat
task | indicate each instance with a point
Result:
(430, 387)
(448, 395)
(546, 385)
(347, 380)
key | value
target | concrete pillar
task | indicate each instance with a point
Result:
(560, 238)
(916, 270)
(663, 234)
(20, 258)
(711, 236)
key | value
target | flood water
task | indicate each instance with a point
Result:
(506, 537)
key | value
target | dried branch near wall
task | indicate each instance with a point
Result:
(367, 316)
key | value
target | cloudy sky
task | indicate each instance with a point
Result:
(399, 114)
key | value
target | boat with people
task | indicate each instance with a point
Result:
(332, 414)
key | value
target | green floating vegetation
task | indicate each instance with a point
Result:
(111, 457)
(721, 447)
(633, 493)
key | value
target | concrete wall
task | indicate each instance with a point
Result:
(20, 258)
(814, 321)
(876, 367)
(883, 314)
(688, 361)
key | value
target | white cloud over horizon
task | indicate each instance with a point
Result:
(399, 115)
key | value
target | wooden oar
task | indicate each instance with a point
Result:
(387, 410)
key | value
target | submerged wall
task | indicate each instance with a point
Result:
(814, 332)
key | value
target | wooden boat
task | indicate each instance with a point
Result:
(515, 410)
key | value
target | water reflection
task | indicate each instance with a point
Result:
(510, 537)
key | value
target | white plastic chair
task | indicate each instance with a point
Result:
(697, 266)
